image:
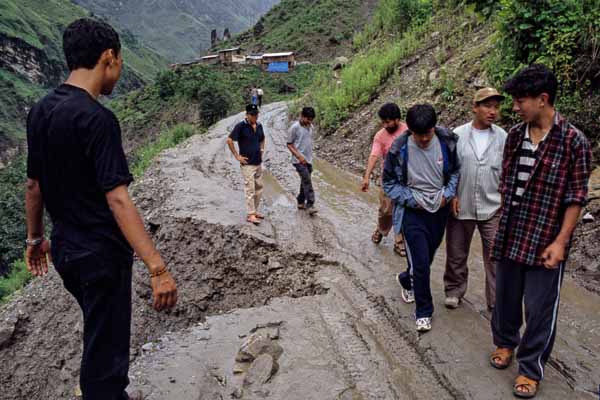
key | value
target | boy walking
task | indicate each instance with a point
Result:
(544, 185)
(421, 174)
(250, 137)
(480, 148)
(77, 169)
(299, 142)
(393, 127)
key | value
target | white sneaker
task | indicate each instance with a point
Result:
(407, 295)
(452, 302)
(423, 324)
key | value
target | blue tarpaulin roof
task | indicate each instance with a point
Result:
(279, 67)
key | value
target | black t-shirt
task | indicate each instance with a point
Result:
(76, 154)
(249, 141)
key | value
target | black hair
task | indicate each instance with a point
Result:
(421, 118)
(85, 40)
(532, 81)
(389, 111)
(308, 112)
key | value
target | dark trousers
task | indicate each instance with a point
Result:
(423, 233)
(103, 291)
(459, 234)
(307, 193)
(539, 289)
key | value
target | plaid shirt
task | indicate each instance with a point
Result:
(559, 178)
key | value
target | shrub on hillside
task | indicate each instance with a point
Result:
(12, 217)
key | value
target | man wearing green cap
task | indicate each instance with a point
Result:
(480, 149)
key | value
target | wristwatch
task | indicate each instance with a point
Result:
(34, 242)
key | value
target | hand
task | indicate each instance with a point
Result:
(455, 207)
(444, 202)
(554, 255)
(37, 258)
(365, 185)
(243, 160)
(164, 291)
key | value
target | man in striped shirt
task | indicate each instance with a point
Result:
(544, 185)
(480, 148)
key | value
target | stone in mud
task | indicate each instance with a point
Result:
(256, 345)
(261, 370)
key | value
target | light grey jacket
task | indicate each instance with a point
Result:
(477, 193)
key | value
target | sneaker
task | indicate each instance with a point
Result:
(407, 295)
(452, 302)
(423, 324)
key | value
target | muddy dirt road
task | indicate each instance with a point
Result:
(316, 289)
(357, 341)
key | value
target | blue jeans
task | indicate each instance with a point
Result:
(423, 233)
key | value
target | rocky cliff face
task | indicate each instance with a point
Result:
(31, 63)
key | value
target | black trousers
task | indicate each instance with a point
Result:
(539, 289)
(423, 233)
(103, 291)
(307, 193)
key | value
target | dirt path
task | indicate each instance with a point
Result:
(318, 286)
(358, 339)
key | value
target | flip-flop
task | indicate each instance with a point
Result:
(505, 357)
(399, 249)
(259, 216)
(253, 219)
(377, 237)
(523, 382)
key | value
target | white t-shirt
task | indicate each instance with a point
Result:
(481, 138)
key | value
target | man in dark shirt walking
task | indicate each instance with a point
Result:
(544, 185)
(250, 137)
(77, 169)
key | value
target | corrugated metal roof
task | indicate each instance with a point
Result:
(229, 50)
(209, 57)
(286, 54)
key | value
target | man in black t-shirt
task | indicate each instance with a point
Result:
(77, 169)
(250, 137)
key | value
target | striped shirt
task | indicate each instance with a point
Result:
(527, 158)
(478, 193)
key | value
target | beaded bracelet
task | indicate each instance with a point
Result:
(159, 272)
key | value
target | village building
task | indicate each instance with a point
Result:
(279, 62)
(211, 59)
(231, 56)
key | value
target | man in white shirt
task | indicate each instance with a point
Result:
(480, 150)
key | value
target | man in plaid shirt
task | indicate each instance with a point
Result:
(544, 185)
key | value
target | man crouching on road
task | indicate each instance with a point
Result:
(421, 174)
(250, 137)
(544, 185)
(77, 169)
(299, 142)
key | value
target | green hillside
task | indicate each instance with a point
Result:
(315, 29)
(32, 59)
(184, 26)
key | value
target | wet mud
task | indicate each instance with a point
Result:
(316, 286)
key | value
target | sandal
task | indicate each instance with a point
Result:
(525, 388)
(501, 358)
(253, 219)
(377, 237)
(399, 249)
(259, 216)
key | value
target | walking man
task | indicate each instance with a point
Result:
(299, 142)
(421, 174)
(77, 169)
(392, 128)
(544, 185)
(254, 95)
(250, 137)
(260, 94)
(480, 148)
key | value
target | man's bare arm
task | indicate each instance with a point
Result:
(132, 226)
(296, 153)
(36, 257)
(370, 167)
(243, 160)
